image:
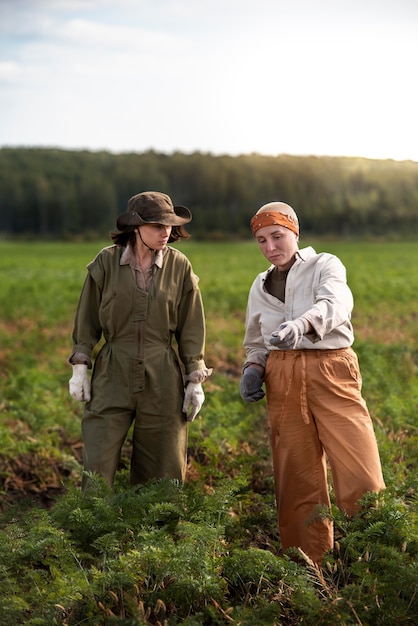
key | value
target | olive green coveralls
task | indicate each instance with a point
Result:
(138, 371)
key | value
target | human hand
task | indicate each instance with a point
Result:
(250, 385)
(193, 400)
(289, 334)
(79, 384)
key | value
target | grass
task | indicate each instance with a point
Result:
(207, 552)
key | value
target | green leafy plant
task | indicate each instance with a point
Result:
(207, 552)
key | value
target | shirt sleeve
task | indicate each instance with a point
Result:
(333, 300)
(255, 349)
(191, 329)
(87, 330)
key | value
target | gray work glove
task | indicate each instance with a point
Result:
(193, 400)
(251, 385)
(79, 384)
(289, 334)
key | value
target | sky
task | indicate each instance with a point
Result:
(300, 77)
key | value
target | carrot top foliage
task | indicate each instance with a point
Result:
(206, 552)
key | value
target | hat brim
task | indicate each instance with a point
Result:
(180, 217)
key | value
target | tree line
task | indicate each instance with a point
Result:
(47, 192)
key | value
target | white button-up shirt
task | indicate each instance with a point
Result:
(316, 288)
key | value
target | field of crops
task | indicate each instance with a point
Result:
(206, 552)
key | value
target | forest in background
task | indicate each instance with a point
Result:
(54, 193)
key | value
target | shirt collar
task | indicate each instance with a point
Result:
(301, 255)
(305, 253)
(128, 257)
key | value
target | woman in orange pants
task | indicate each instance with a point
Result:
(298, 342)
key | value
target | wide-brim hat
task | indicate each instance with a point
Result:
(153, 207)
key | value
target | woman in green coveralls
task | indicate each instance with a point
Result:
(142, 300)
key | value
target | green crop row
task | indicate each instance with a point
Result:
(207, 552)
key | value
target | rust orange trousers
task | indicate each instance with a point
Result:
(317, 412)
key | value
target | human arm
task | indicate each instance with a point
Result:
(251, 383)
(194, 398)
(331, 302)
(86, 334)
(289, 335)
(79, 383)
(190, 338)
(318, 307)
(256, 352)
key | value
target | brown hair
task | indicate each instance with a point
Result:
(127, 235)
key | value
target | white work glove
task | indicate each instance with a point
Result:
(79, 384)
(193, 400)
(289, 334)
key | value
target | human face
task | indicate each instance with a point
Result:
(278, 244)
(155, 236)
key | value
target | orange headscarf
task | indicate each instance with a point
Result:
(271, 218)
